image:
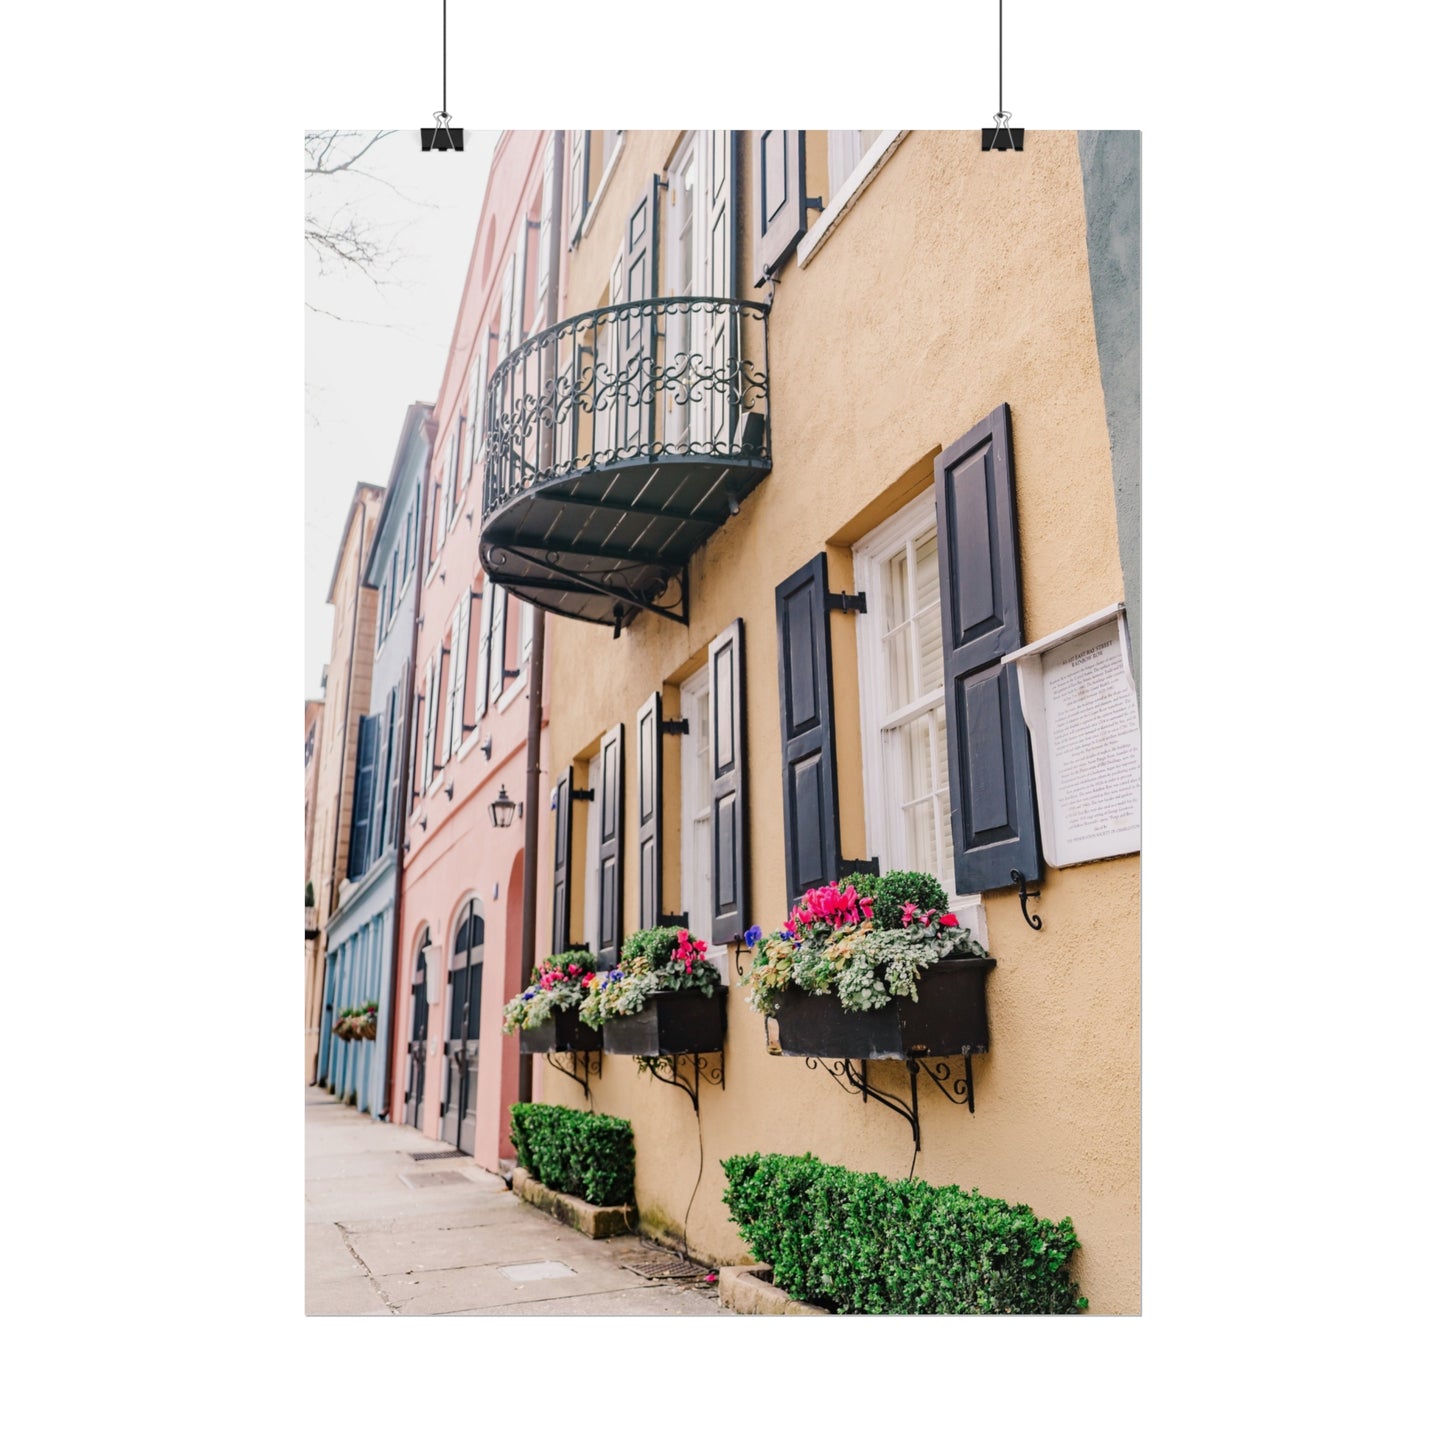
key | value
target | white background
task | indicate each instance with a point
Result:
(154, 328)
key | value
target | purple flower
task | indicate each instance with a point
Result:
(751, 937)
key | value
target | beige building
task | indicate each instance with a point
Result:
(917, 384)
(347, 695)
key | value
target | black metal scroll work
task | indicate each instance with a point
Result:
(1032, 920)
(666, 1070)
(855, 1081)
(594, 389)
(582, 1066)
(616, 443)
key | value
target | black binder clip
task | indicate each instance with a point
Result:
(443, 137)
(999, 137)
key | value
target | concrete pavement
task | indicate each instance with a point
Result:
(387, 1234)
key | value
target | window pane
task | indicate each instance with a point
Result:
(930, 629)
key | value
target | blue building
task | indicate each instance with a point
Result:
(361, 932)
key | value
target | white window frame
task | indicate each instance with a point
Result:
(591, 895)
(692, 800)
(843, 197)
(607, 172)
(870, 556)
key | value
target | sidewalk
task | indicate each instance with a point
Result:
(387, 1234)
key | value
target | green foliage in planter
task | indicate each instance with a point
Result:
(863, 1244)
(589, 1155)
(890, 892)
(654, 960)
(559, 983)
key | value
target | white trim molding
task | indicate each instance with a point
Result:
(843, 198)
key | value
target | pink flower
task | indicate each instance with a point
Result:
(689, 968)
(949, 921)
(909, 909)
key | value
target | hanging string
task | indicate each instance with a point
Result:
(1000, 54)
(446, 113)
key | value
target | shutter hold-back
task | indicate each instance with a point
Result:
(1032, 920)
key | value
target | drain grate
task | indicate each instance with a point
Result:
(438, 1154)
(437, 1176)
(651, 1265)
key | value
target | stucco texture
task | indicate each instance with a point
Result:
(958, 280)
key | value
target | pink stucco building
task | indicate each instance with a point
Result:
(455, 1073)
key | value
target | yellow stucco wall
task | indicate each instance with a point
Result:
(959, 280)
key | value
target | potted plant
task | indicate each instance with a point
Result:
(545, 1013)
(665, 997)
(365, 1025)
(885, 973)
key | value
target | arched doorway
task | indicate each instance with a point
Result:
(416, 1048)
(464, 1026)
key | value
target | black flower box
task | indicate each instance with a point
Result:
(671, 1023)
(950, 1019)
(563, 1033)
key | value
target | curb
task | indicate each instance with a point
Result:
(748, 1289)
(596, 1221)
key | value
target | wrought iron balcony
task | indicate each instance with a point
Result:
(616, 443)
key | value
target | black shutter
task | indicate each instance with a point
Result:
(729, 785)
(561, 865)
(780, 208)
(805, 691)
(649, 812)
(995, 827)
(358, 860)
(609, 851)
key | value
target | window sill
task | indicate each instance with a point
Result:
(844, 199)
(518, 687)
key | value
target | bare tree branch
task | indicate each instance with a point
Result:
(320, 143)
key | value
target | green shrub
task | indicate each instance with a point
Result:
(863, 1244)
(589, 1155)
(890, 892)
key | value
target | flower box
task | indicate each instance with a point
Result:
(949, 1019)
(688, 1022)
(563, 1033)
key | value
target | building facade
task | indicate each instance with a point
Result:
(832, 425)
(347, 696)
(454, 1074)
(362, 930)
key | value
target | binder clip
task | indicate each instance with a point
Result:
(999, 137)
(442, 137)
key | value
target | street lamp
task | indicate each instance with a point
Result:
(503, 810)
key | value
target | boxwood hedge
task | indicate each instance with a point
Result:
(589, 1155)
(863, 1244)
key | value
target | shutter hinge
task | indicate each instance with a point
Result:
(584, 795)
(813, 203)
(857, 865)
(673, 725)
(847, 602)
(672, 920)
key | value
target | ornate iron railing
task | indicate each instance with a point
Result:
(668, 379)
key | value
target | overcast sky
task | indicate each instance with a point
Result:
(363, 371)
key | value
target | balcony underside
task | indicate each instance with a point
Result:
(603, 544)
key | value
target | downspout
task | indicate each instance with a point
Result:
(403, 785)
(539, 647)
(331, 885)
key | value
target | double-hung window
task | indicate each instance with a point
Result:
(695, 696)
(901, 699)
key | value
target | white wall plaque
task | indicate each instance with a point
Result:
(1082, 712)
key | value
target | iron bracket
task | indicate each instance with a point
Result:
(855, 1081)
(672, 920)
(665, 1069)
(1032, 920)
(675, 726)
(847, 602)
(585, 1059)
